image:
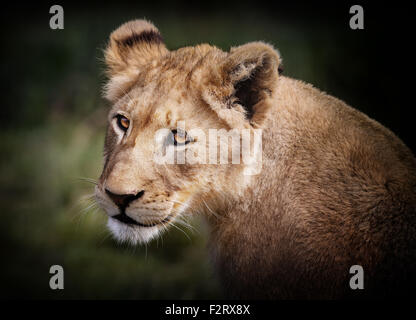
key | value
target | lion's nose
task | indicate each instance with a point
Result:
(123, 200)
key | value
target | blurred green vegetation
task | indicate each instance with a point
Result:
(53, 124)
(52, 224)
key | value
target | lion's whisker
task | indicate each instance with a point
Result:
(88, 180)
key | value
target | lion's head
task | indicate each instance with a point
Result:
(164, 102)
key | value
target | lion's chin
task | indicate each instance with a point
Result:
(130, 233)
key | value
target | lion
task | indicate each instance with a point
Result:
(334, 188)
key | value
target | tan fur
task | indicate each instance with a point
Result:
(336, 188)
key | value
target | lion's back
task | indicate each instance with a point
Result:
(346, 187)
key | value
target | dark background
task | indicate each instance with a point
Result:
(53, 120)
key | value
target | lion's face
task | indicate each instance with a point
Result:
(140, 193)
(165, 103)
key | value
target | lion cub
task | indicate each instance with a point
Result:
(329, 188)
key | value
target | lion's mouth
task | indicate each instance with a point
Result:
(124, 218)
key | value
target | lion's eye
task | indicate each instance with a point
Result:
(122, 122)
(180, 137)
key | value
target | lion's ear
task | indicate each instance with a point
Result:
(250, 72)
(131, 47)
